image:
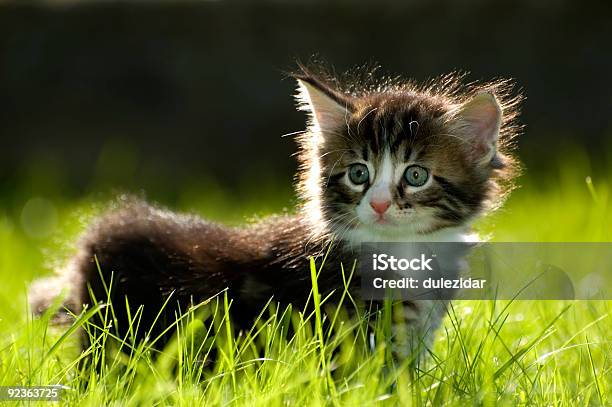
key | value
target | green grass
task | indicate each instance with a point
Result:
(487, 352)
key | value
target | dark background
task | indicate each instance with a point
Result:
(155, 94)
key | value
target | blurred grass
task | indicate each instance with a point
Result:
(488, 353)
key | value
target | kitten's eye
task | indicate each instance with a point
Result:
(359, 174)
(416, 176)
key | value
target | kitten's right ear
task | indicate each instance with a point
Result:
(327, 108)
(480, 120)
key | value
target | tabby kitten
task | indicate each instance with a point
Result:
(384, 161)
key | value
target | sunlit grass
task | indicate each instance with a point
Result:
(487, 353)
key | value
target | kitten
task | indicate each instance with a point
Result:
(379, 162)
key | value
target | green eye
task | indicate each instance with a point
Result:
(358, 174)
(416, 176)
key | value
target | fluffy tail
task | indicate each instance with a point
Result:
(56, 294)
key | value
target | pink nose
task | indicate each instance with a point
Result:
(380, 207)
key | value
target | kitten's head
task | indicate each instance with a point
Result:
(391, 159)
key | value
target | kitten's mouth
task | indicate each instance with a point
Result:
(381, 221)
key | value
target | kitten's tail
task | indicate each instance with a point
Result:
(57, 294)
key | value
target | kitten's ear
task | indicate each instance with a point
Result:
(327, 108)
(480, 120)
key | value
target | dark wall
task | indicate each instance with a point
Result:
(143, 93)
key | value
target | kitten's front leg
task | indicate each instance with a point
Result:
(414, 324)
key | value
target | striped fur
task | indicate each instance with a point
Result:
(406, 124)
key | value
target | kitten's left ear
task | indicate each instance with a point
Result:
(327, 108)
(480, 121)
